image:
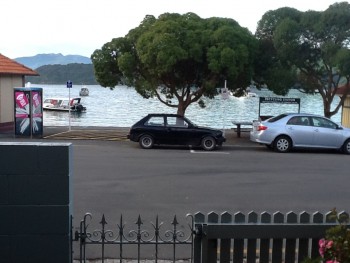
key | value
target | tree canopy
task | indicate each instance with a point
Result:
(178, 58)
(306, 50)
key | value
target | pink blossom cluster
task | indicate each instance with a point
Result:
(325, 247)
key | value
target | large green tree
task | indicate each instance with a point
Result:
(178, 58)
(306, 50)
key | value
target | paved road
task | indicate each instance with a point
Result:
(120, 177)
(115, 177)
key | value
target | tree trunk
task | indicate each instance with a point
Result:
(328, 100)
(327, 108)
(181, 108)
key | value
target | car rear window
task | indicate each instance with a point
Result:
(273, 119)
(155, 121)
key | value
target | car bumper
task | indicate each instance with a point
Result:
(220, 140)
(256, 137)
(132, 137)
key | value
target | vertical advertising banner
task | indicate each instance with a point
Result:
(28, 111)
(22, 113)
(37, 113)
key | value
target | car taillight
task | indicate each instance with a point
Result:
(261, 128)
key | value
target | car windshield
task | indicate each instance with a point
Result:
(190, 122)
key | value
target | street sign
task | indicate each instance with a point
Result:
(69, 84)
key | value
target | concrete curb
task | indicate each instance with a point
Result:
(63, 132)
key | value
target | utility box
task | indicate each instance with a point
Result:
(345, 114)
(36, 202)
(28, 112)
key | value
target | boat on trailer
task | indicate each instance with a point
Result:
(63, 104)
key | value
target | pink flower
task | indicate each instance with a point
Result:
(321, 251)
(329, 244)
(322, 243)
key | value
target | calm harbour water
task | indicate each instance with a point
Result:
(123, 106)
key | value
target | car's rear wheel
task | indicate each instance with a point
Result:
(208, 143)
(282, 144)
(346, 147)
(146, 141)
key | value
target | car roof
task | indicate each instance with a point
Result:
(164, 114)
(302, 114)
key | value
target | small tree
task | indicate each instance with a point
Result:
(178, 58)
(308, 51)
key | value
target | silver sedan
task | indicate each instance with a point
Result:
(297, 130)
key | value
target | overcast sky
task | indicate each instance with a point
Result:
(79, 27)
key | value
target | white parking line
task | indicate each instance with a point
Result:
(214, 152)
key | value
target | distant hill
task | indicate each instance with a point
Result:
(39, 60)
(78, 73)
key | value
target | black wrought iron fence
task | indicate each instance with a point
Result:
(213, 237)
(154, 235)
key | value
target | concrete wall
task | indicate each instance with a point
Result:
(35, 202)
(7, 83)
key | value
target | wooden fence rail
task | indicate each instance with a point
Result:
(266, 238)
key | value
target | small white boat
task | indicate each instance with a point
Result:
(251, 94)
(84, 91)
(63, 104)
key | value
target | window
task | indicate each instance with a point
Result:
(299, 120)
(273, 119)
(176, 122)
(155, 121)
(324, 123)
(305, 121)
(294, 121)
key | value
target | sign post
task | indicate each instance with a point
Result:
(69, 86)
(225, 95)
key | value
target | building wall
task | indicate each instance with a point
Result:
(7, 83)
(345, 116)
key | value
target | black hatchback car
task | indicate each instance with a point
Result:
(172, 129)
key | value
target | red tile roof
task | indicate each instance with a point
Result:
(9, 66)
(343, 89)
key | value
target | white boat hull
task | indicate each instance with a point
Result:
(59, 104)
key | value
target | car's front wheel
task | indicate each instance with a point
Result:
(346, 147)
(208, 143)
(146, 141)
(282, 144)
